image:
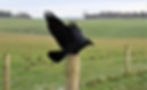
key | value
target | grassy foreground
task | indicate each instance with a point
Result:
(33, 70)
(27, 42)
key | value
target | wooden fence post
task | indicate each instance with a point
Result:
(128, 67)
(6, 72)
(73, 72)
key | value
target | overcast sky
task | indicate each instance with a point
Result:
(71, 8)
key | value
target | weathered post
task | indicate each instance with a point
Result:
(127, 65)
(73, 72)
(6, 72)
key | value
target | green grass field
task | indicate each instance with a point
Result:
(28, 43)
(93, 28)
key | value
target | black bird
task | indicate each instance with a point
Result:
(69, 37)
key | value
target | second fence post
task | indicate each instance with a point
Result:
(73, 72)
(128, 67)
(6, 72)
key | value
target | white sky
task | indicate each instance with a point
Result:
(72, 8)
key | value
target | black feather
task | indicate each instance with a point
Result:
(69, 37)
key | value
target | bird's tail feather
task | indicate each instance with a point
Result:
(57, 56)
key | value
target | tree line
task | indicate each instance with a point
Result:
(116, 15)
(8, 14)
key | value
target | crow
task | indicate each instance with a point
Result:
(69, 37)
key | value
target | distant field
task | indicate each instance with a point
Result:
(23, 26)
(93, 28)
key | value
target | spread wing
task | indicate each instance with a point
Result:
(60, 31)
